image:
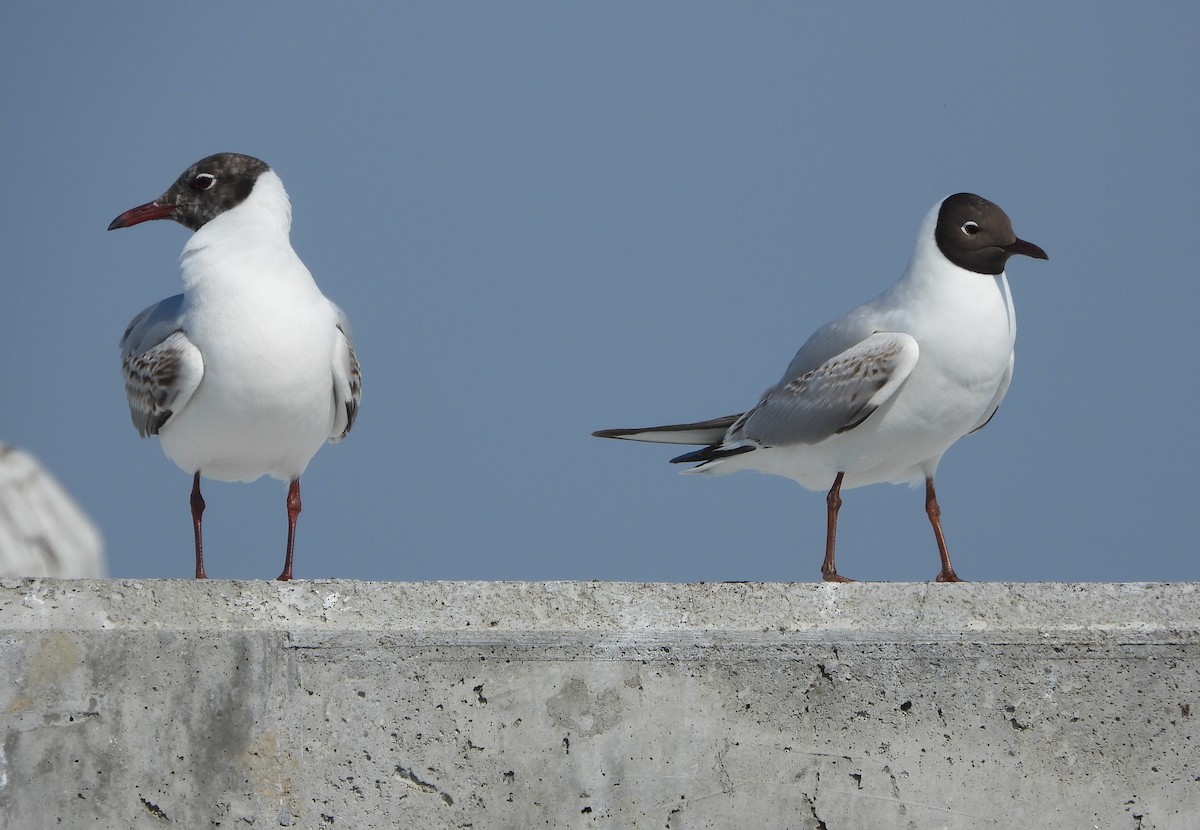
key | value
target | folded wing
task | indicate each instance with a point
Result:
(347, 381)
(162, 368)
(834, 397)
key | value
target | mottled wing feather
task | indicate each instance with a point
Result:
(162, 368)
(834, 397)
(347, 381)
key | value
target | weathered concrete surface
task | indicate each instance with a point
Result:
(520, 705)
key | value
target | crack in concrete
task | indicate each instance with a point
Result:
(154, 809)
(413, 780)
(812, 799)
(29, 721)
(723, 777)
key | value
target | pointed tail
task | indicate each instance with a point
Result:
(701, 432)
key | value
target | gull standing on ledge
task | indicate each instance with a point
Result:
(881, 393)
(251, 369)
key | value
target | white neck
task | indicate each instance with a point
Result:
(266, 212)
(927, 262)
(246, 248)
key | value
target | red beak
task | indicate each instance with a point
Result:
(142, 213)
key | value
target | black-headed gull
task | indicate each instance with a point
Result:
(251, 369)
(880, 394)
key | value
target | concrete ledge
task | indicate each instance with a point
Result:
(517, 705)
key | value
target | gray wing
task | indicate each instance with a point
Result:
(833, 397)
(833, 338)
(1001, 391)
(162, 368)
(347, 380)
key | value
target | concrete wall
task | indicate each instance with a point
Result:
(521, 705)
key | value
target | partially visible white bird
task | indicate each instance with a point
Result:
(251, 369)
(880, 394)
(43, 531)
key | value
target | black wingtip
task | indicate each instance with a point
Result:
(614, 433)
(723, 423)
(711, 453)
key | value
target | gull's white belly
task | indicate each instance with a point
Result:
(263, 407)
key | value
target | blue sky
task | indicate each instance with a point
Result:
(549, 218)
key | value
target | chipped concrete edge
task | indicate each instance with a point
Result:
(900, 611)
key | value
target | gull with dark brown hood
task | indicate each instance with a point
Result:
(251, 369)
(879, 394)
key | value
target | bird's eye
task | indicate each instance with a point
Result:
(970, 228)
(203, 181)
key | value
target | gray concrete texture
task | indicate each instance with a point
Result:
(520, 705)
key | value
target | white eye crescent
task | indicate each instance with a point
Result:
(970, 228)
(203, 181)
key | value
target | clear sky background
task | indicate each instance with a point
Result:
(548, 218)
